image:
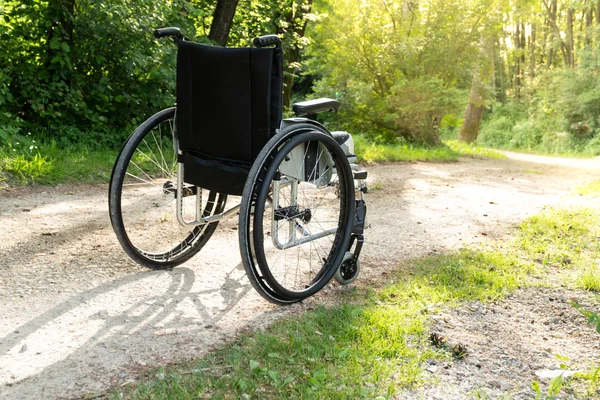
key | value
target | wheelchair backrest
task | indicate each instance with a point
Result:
(228, 100)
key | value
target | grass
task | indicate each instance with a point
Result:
(567, 239)
(50, 165)
(472, 149)
(451, 150)
(378, 340)
(589, 189)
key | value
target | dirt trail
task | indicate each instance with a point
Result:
(77, 316)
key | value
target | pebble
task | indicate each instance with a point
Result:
(502, 385)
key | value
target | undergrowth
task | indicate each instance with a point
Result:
(51, 164)
(27, 162)
(374, 152)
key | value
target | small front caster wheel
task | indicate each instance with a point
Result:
(348, 270)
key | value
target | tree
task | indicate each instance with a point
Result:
(222, 21)
(391, 62)
(473, 114)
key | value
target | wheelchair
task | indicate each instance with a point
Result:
(302, 210)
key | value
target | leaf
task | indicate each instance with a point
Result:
(274, 375)
(54, 44)
(344, 352)
(253, 365)
(562, 358)
(555, 385)
(535, 385)
(287, 380)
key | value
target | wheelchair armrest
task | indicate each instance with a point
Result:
(311, 107)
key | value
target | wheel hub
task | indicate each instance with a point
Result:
(292, 212)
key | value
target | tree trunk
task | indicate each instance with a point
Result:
(518, 63)
(500, 77)
(222, 21)
(473, 114)
(532, 52)
(589, 20)
(570, 39)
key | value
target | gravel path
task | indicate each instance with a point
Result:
(78, 316)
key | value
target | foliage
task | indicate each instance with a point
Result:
(397, 67)
(593, 318)
(415, 108)
(83, 71)
(547, 67)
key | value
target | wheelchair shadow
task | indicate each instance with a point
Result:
(146, 318)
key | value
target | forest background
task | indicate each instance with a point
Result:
(502, 73)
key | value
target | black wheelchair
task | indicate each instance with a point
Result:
(301, 215)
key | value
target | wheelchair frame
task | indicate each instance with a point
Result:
(283, 162)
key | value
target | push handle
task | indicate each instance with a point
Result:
(267, 40)
(166, 32)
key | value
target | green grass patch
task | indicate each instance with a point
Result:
(591, 382)
(568, 239)
(50, 165)
(465, 149)
(590, 188)
(450, 150)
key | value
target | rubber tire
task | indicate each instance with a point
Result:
(198, 236)
(341, 277)
(254, 194)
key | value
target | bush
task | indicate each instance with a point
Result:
(416, 108)
(10, 126)
(561, 116)
(496, 131)
(88, 76)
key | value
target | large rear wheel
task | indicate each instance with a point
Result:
(143, 198)
(296, 214)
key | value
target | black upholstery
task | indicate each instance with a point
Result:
(228, 107)
(311, 107)
(340, 137)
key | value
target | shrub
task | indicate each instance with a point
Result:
(416, 108)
